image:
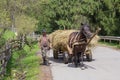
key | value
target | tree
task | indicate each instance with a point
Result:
(25, 24)
(61, 14)
(103, 13)
(4, 15)
(64, 14)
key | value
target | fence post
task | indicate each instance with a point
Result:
(4, 57)
(104, 40)
(110, 40)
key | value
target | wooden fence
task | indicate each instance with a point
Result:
(105, 38)
(110, 38)
(4, 58)
(6, 53)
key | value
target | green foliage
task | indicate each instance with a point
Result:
(113, 44)
(61, 14)
(24, 60)
(5, 36)
(4, 14)
(13, 14)
(68, 14)
(2, 41)
(8, 35)
(104, 14)
(25, 24)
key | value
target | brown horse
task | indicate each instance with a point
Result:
(78, 42)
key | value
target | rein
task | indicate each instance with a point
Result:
(94, 35)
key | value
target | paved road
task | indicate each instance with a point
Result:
(106, 66)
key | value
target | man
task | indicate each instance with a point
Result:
(44, 44)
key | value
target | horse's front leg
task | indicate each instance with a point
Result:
(76, 60)
(81, 58)
(82, 64)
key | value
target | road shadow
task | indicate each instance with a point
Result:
(60, 60)
(85, 60)
(79, 66)
(91, 67)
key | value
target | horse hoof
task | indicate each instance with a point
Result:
(86, 67)
(82, 68)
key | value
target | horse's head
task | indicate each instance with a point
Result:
(85, 30)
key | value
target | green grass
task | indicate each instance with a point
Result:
(113, 44)
(28, 62)
(22, 60)
(8, 34)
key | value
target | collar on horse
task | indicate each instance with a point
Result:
(82, 40)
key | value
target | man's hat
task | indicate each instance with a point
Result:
(43, 30)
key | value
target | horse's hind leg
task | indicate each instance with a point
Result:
(81, 59)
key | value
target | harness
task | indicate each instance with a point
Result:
(75, 42)
(78, 43)
(82, 41)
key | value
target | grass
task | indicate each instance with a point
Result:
(8, 34)
(112, 44)
(24, 60)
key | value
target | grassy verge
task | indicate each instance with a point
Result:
(113, 44)
(8, 34)
(24, 61)
(5, 37)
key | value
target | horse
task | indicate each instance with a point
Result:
(77, 42)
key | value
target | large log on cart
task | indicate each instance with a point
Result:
(60, 39)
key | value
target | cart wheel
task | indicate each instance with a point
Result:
(65, 57)
(89, 56)
(55, 54)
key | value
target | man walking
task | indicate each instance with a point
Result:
(44, 43)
